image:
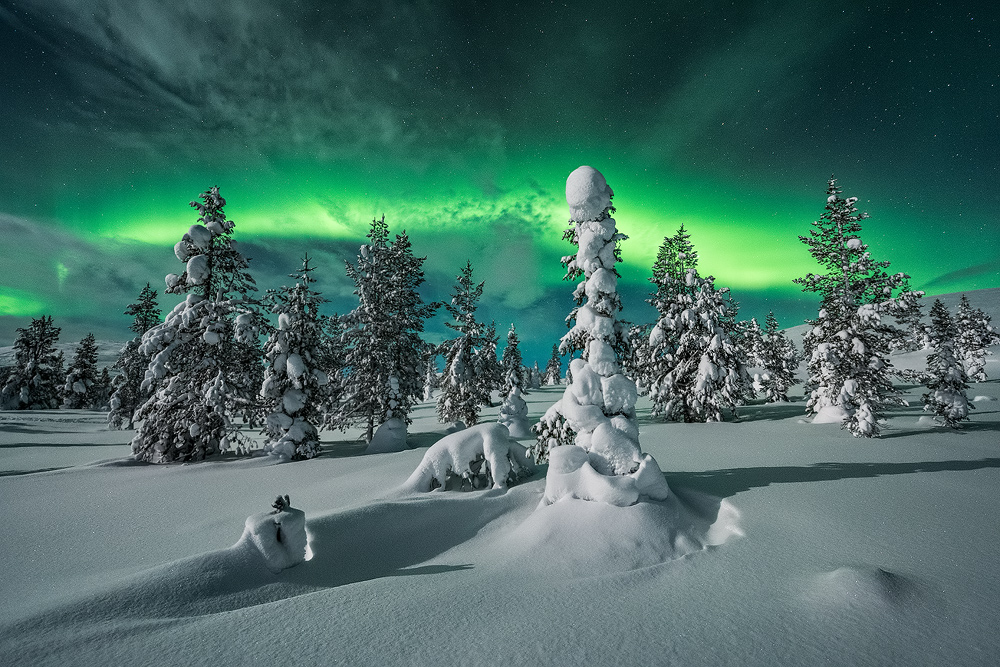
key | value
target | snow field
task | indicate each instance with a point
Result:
(783, 543)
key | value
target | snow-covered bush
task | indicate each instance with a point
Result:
(946, 379)
(598, 406)
(514, 414)
(294, 388)
(37, 376)
(511, 365)
(82, 389)
(280, 536)
(848, 345)
(481, 455)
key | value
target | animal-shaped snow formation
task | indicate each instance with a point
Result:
(280, 536)
(604, 463)
(463, 454)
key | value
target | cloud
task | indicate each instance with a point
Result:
(256, 76)
(986, 270)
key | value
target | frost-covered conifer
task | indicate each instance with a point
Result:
(431, 378)
(974, 335)
(604, 461)
(489, 371)
(947, 380)
(197, 375)
(553, 369)
(295, 385)
(511, 365)
(701, 370)
(847, 347)
(82, 390)
(778, 360)
(535, 377)
(131, 365)
(911, 334)
(383, 364)
(37, 376)
(464, 391)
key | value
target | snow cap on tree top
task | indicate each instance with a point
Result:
(587, 193)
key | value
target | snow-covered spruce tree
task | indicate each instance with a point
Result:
(431, 378)
(604, 461)
(911, 333)
(511, 364)
(974, 335)
(778, 359)
(947, 380)
(464, 391)
(748, 337)
(553, 369)
(131, 364)
(702, 371)
(82, 390)
(847, 347)
(294, 387)
(535, 375)
(37, 376)
(196, 375)
(489, 371)
(384, 370)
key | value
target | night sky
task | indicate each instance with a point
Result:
(459, 121)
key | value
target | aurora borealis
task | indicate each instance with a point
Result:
(459, 121)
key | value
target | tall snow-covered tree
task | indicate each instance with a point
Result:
(778, 360)
(82, 389)
(512, 365)
(700, 369)
(847, 347)
(384, 369)
(911, 333)
(197, 375)
(295, 385)
(603, 462)
(553, 369)
(947, 380)
(431, 378)
(463, 389)
(37, 376)
(973, 336)
(131, 365)
(488, 369)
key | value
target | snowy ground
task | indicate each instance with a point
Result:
(785, 543)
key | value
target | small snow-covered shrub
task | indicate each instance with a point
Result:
(480, 453)
(279, 536)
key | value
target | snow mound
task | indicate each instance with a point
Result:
(830, 414)
(571, 475)
(982, 399)
(463, 454)
(577, 538)
(862, 587)
(587, 193)
(279, 536)
(390, 437)
(926, 422)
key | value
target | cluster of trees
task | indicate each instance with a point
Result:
(194, 377)
(39, 379)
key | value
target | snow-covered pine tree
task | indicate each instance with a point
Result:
(131, 365)
(778, 360)
(604, 461)
(489, 372)
(82, 390)
(384, 369)
(294, 387)
(847, 347)
(553, 369)
(748, 336)
(947, 380)
(974, 335)
(37, 376)
(702, 371)
(911, 332)
(431, 378)
(196, 378)
(463, 391)
(535, 377)
(511, 364)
